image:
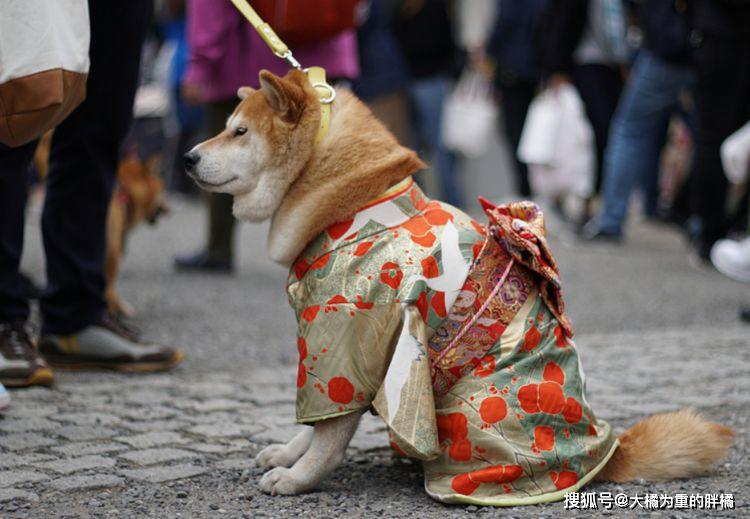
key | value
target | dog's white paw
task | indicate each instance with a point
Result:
(276, 455)
(281, 482)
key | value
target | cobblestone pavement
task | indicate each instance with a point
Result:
(654, 334)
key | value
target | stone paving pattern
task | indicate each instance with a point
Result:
(655, 335)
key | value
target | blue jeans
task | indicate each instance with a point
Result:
(427, 96)
(638, 133)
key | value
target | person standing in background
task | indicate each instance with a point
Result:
(384, 78)
(586, 46)
(185, 120)
(720, 40)
(424, 30)
(226, 53)
(515, 47)
(661, 72)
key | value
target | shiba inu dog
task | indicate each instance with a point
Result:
(137, 198)
(455, 333)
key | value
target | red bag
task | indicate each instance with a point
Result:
(300, 22)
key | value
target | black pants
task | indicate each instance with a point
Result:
(599, 87)
(83, 162)
(722, 99)
(516, 98)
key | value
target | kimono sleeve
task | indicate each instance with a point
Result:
(344, 353)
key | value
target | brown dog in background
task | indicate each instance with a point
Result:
(137, 198)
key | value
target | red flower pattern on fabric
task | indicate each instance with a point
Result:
(453, 427)
(391, 274)
(493, 409)
(340, 390)
(544, 437)
(563, 479)
(467, 483)
(301, 371)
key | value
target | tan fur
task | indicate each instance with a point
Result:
(667, 446)
(357, 160)
(41, 155)
(138, 198)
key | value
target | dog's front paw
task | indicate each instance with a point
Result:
(276, 455)
(282, 482)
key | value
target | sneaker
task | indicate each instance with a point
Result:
(592, 233)
(107, 345)
(202, 262)
(732, 258)
(4, 399)
(20, 362)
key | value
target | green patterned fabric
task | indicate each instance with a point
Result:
(499, 417)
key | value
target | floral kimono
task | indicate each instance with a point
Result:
(455, 334)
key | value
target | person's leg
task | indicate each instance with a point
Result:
(83, 162)
(637, 133)
(392, 109)
(721, 97)
(20, 365)
(427, 97)
(14, 169)
(599, 87)
(515, 100)
(221, 227)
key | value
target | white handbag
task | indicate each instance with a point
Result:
(735, 155)
(557, 143)
(44, 63)
(469, 115)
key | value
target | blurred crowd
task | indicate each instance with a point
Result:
(662, 85)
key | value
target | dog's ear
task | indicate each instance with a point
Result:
(244, 92)
(285, 97)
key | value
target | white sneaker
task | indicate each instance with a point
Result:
(4, 399)
(732, 258)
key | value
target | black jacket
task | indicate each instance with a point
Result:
(426, 39)
(564, 29)
(724, 18)
(666, 29)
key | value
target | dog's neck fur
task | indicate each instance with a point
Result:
(357, 160)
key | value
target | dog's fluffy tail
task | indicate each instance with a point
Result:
(666, 446)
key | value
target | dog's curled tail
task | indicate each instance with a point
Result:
(666, 446)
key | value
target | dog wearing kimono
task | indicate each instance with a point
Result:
(453, 332)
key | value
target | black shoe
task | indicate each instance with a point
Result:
(201, 262)
(21, 365)
(592, 233)
(745, 314)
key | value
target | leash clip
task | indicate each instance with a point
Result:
(287, 55)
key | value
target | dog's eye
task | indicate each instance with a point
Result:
(240, 131)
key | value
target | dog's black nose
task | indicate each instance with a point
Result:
(190, 159)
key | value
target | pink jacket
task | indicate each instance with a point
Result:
(225, 53)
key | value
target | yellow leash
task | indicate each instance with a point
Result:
(316, 75)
